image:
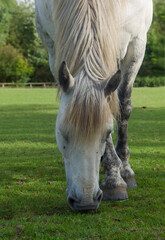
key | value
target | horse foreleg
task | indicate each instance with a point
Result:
(114, 188)
(130, 67)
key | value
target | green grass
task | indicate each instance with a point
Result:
(32, 178)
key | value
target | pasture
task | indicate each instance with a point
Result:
(33, 202)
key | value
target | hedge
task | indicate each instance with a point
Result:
(149, 81)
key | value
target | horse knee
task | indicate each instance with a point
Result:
(126, 109)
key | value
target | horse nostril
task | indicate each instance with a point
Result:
(99, 196)
(72, 201)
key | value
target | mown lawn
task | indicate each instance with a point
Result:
(32, 178)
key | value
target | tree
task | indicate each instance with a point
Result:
(22, 29)
(153, 64)
(23, 36)
(17, 29)
(4, 26)
(8, 4)
(13, 66)
(5, 6)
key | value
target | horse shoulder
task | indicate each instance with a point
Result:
(138, 17)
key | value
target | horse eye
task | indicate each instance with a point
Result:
(65, 136)
(106, 135)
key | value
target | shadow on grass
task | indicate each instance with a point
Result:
(32, 175)
(34, 123)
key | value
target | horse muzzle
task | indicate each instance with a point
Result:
(85, 204)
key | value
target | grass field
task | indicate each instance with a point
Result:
(32, 178)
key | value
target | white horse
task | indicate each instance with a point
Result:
(88, 41)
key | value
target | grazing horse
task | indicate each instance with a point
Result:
(95, 49)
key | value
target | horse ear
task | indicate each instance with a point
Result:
(112, 84)
(66, 80)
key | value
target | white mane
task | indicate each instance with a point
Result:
(87, 36)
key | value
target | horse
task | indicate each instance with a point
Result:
(95, 49)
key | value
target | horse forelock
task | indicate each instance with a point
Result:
(89, 112)
(87, 36)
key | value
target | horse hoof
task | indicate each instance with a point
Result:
(115, 194)
(131, 182)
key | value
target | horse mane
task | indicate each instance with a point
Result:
(87, 35)
(87, 38)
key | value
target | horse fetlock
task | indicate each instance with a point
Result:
(129, 176)
(126, 171)
(111, 182)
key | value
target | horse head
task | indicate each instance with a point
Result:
(84, 121)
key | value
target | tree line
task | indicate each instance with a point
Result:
(22, 55)
(24, 59)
